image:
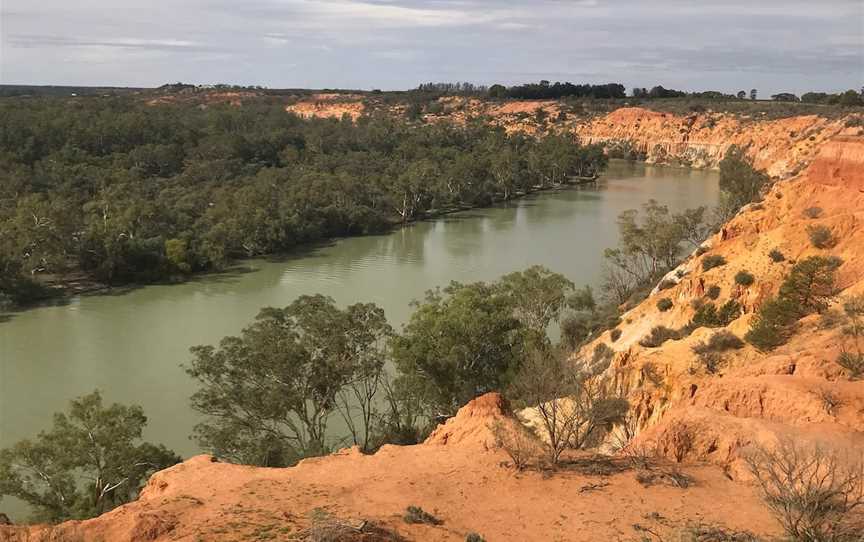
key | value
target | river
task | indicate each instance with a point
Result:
(130, 345)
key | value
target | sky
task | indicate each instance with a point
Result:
(771, 45)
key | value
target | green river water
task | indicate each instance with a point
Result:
(131, 345)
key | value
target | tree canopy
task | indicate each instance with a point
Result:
(268, 395)
(126, 192)
(92, 460)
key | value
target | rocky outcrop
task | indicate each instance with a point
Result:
(329, 106)
(453, 475)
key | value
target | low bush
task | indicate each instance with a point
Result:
(808, 288)
(658, 336)
(851, 357)
(743, 278)
(710, 353)
(831, 319)
(665, 284)
(821, 236)
(517, 442)
(615, 334)
(813, 212)
(713, 533)
(719, 342)
(415, 514)
(776, 256)
(664, 304)
(852, 362)
(474, 537)
(773, 324)
(709, 316)
(811, 490)
(673, 476)
(574, 330)
(713, 292)
(710, 262)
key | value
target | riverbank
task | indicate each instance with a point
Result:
(60, 288)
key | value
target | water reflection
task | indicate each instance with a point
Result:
(131, 345)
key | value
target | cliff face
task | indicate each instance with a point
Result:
(780, 147)
(796, 391)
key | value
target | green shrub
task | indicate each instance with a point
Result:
(713, 292)
(719, 342)
(474, 537)
(813, 212)
(709, 316)
(658, 336)
(602, 353)
(710, 262)
(729, 312)
(701, 250)
(744, 278)
(664, 304)
(710, 354)
(574, 330)
(773, 325)
(811, 284)
(615, 334)
(415, 514)
(852, 362)
(821, 236)
(808, 288)
(776, 256)
(665, 284)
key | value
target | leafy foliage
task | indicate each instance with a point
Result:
(708, 315)
(744, 278)
(658, 336)
(268, 394)
(664, 304)
(740, 183)
(776, 256)
(808, 288)
(851, 357)
(821, 236)
(91, 461)
(126, 192)
(539, 296)
(651, 245)
(710, 353)
(415, 514)
(460, 342)
(710, 262)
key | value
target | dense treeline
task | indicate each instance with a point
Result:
(126, 192)
(544, 90)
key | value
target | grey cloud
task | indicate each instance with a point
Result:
(778, 45)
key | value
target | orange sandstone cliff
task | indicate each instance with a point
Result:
(797, 391)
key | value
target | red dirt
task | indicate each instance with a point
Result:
(453, 475)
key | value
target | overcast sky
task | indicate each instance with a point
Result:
(772, 45)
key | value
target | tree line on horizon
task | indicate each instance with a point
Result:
(546, 90)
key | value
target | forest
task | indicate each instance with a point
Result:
(118, 191)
